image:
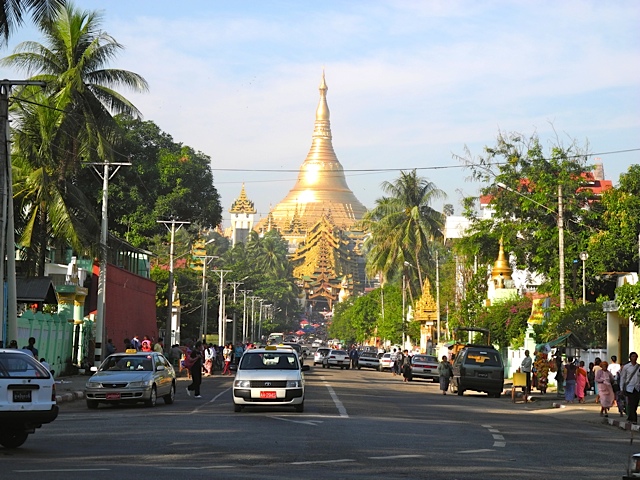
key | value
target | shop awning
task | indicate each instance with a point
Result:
(36, 290)
(568, 339)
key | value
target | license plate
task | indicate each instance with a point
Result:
(483, 375)
(268, 395)
(427, 370)
(22, 396)
(113, 396)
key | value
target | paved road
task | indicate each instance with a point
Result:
(356, 424)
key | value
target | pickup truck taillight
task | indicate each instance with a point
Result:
(53, 392)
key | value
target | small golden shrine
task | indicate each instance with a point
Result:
(242, 204)
(426, 312)
(501, 272)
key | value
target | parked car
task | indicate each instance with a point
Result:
(425, 366)
(319, 355)
(386, 361)
(270, 376)
(130, 378)
(336, 358)
(479, 368)
(369, 360)
(27, 396)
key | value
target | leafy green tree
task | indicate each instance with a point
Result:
(506, 321)
(614, 246)
(403, 226)
(526, 184)
(588, 322)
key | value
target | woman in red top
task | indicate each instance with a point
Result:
(581, 382)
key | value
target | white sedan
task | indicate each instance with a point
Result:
(269, 377)
(336, 358)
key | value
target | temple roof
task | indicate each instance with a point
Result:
(321, 188)
(242, 204)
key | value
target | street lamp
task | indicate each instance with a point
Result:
(583, 257)
(559, 213)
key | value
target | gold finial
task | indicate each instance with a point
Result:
(243, 204)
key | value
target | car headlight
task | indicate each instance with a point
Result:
(91, 384)
(141, 383)
(294, 384)
(242, 383)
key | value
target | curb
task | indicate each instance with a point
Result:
(69, 397)
(623, 424)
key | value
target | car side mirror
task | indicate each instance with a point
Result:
(160, 368)
(305, 368)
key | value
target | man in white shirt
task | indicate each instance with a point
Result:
(614, 367)
(525, 367)
(630, 384)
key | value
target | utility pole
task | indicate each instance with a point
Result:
(221, 319)
(205, 295)
(253, 321)
(233, 331)
(438, 297)
(561, 245)
(245, 333)
(169, 338)
(7, 230)
(101, 324)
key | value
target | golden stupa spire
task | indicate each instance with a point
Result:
(501, 270)
(242, 204)
(321, 182)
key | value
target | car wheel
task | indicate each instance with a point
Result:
(237, 408)
(168, 399)
(347, 367)
(13, 438)
(460, 392)
(359, 367)
(153, 398)
(380, 368)
(496, 394)
(299, 408)
(92, 404)
(341, 368)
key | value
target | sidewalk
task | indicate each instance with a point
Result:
(589, 411)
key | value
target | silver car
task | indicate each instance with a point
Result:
(131, 378)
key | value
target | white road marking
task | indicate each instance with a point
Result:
(65, 470)
(486, 426)
(195, 410)
(313, 423)
(480, 450)
(499, 444)
(498, 437)
(343, 460)
(393, 457)
(494, 430)
(336, 400)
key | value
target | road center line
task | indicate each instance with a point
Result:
(197, 409)
(343, 460)
(394, 457)
(336, 400)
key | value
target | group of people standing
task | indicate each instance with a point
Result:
(613, 384)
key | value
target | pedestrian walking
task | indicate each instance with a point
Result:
(621, 398)
(445, 373)
(570, 380)
(226, 355)
(630, 385)
(604, 379)
(32, 347)
(195, 367)
(406, 367)
(209, 355)
(582, 382)
(394, 362)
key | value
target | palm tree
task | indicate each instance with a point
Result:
(73, 65)
(12, 13)
(45, 209)
(74, 123)
(402, 226)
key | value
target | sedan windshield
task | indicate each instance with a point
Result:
(270, 361)
(128, 363)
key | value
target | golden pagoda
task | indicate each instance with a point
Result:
(501, 271)
(321, 189)
(325, 264)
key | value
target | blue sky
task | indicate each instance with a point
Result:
(411, 83)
